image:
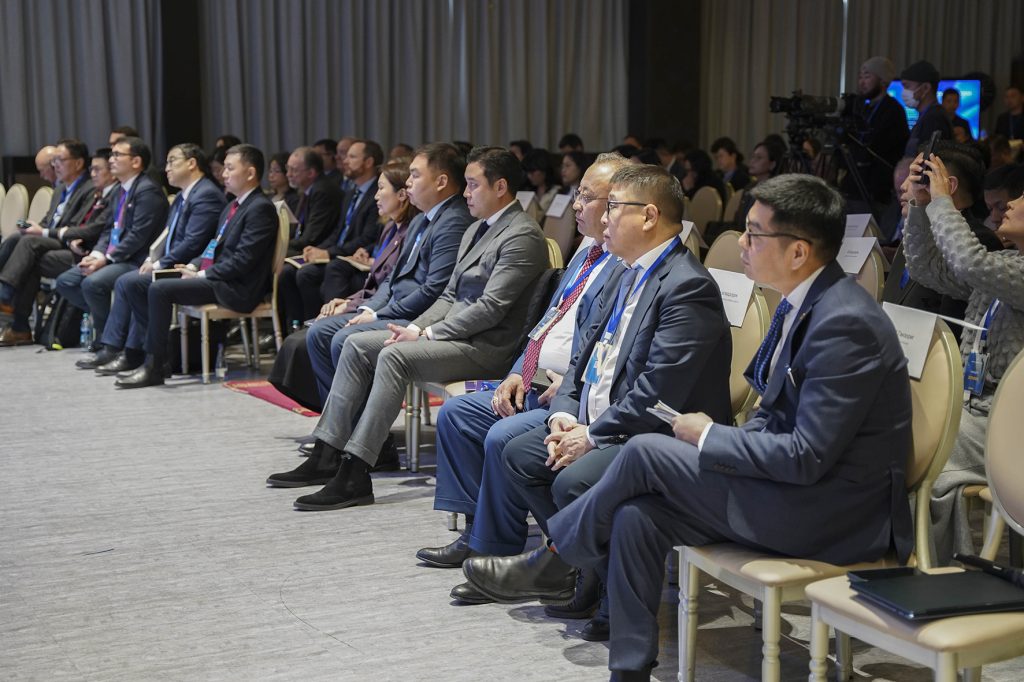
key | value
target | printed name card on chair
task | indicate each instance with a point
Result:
(914, 328)
(558, 205)
(861, 225)
(736, 289)
(853, 253)
(525, 198)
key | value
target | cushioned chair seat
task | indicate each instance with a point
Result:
(780, 571)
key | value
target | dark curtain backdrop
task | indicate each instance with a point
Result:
(78, 68)
(281, 74)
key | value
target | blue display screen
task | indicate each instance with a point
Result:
(970, 101)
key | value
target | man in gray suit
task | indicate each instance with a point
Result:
(473, 329)
(817, 473)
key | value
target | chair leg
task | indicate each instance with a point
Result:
(993, 535)
(453, 521)
(243, 331)
(204, 333)
(255, 342)
(689, 585)
(183, 324)
(945, 668)
(770, 631)
(844, 657)
(971, 674)
(414, 434)
(819, 646)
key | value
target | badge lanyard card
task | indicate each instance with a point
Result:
(551, 317)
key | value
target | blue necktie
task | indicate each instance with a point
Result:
(348, 217)
(764, 354)
(178, 203)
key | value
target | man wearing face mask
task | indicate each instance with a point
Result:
(884, 135)
(920, 83)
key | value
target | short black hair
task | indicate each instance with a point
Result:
(498, 163)
(191, 150)
(102, 153)
(963, 161)
(227, 140)
(540, 160)
(126, 131)
(311, 158)
(524, 146)
(1002, 178)
(571, 140)
(76, 148)
(805, 205)
(251, 156)
(655, 185)
(281, 159)
(373, 150)
(326, 142)
(950, 91)
(138, 148)
(446, 159)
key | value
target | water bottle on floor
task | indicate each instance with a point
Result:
(221, 367)
(85, 331)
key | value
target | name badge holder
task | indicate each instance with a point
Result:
(977, 360)
(551, 317)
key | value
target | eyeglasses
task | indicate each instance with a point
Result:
(171, 160)
(118, 155)
(615, 204)
(584, 198)
(770, 235)
(59, 160)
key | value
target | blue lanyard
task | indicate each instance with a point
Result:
(415, 245)
(178, 204)
(991, 313)
(581, 276)
(384, 244)
(68, 189)
(623, 300)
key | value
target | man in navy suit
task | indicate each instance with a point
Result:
(233, 269)
(140, 211)
(817, 473)
(190, 225)
(472, 429)
(662, 335)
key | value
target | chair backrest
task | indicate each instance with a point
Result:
(733, 205)
(1003, 446)
(745, 342)
(156, 249)
(771, 297)
(40, 203)
(3, 193)
(562, 230)
(171, 198)
(692, 243)
(554, 253)
(724, 253)
(705, 207)
(280, 249)
(937, 399)
(872, 275)
(15, 208)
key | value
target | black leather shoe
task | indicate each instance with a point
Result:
(94, 346)
(451, 555)
(467, 594)
(307, 449)
(147, 375)
(588, 594)
(540, 574)
(350, 487)
(317, 469)
(388, 460)
(596, 630)
(118, 365)
(633, 675)
(102, 357)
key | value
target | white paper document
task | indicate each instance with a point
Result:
(914, 328)
(663, 412)
(854, 252)
(525, 198)
(558, 205)
(860, 225)
(736, 289)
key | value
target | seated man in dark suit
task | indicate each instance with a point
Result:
(191, 224)
(472, 429)
(323, 277)
(320, 199)
(663, 335)
(140, 212)
(473, 329)
(817, 473)
(233, 270)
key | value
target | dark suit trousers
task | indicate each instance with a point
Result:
(653, 497)
(152, 307)
(292, 373)
(470, 470)
(123, 330)
(546, 491)
(92, 293)
(340, 280)
(300, 289)
(31, 258)
(7, 247)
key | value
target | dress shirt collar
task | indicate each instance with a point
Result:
(367, 186)
(647, 260)
(127, 184)
(108, 189)
(185, 192)
(500, 212)
(436, 208)
(799, 294)
(245, 195)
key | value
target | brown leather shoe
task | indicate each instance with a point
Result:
(6, 308)
(9, 337)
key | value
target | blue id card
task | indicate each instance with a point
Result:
(974, 373)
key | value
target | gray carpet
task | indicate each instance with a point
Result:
(138, 542)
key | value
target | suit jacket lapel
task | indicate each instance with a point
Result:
(405, 263)
(473, 255)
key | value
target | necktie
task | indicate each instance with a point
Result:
(763, 360)
(207, 259)
(348, 217)
(480, 232)
(172, 223)
(533, 347)
(301, 214)
(115, 234)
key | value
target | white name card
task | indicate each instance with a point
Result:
(525, 198)
(861, 225)
(736, 289)
(853, 253)
(914, 328)
(558, 205)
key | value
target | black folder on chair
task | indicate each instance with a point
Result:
(923, 596)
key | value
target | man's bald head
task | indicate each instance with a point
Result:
(44, 163)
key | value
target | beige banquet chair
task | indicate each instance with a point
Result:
(562, 230)
(705, 207)
(3, 193)
(746, 339)
(724, 253)
(775, 580)
(40, 203)
(872, 275)
(15, 208)
(732, 206)
(213, 311)
(945, 645)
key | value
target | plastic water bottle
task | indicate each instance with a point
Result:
(221, 367)
(85, 331)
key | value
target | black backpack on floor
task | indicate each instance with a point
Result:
(58, 324)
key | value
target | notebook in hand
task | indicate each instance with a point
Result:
(167, 273)
(920, 597)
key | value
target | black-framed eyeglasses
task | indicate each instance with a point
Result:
(117, 155)
(751, 235)
(584, 198)
(171, 160)
(615, 204)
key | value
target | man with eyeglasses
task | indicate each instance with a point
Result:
(817, 473)
(472, 429)
(190, 225)
(140, 212)
(663, 336)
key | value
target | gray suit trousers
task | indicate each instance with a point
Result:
(371, 378)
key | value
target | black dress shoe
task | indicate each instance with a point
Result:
(388, 460)
(307, 449)
(317, 469)
(147, 375)
(451, 555)
(102, 357)
(540, 574)
(94, 346)
(121, 364)
(585, 600)
(350, 487)
(467, 594)
(597, 629)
